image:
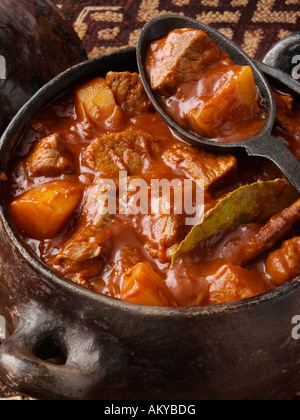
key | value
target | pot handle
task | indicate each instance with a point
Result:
(51, 362)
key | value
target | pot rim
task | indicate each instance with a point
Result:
(47, 93)
(280, 47)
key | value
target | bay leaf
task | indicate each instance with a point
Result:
(255, 203)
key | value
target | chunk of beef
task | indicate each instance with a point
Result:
(160, 233)
(185, 52)
(50, 158)
(88, 250)
(278, 229)
(210, 171)
(78, 279)
(86, 253)
(126, 151)
(129, 91)
(284, 114)
(283, 265)
(113, 275)
(99, 204)
(81, 251)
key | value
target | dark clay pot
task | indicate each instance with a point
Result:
(37, 44)
(65, 342)
(285, 54)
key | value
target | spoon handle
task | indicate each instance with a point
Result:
(275, 150)
(279, 75)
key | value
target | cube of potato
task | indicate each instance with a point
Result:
(96, 100)
(42, 212)
(236, 100)
(233, 283)
(144, 286)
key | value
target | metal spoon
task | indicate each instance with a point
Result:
(280, 76)
(263, 144)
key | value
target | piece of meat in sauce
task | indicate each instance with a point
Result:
(160, 233)
(288, 121)
(129, 91)
(88, 250)
(184, 54)
(284, 111)
(279, 228)
(86, 253)
(211, 171)
(201, 88)
(283, 265)
(50, 158)
(167, 226)
(112, 278)
(127, 151)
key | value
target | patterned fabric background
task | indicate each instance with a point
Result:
(108, 25)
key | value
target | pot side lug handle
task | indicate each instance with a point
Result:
(49, 359)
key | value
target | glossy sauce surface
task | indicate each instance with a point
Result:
(202, 89)
(129, 256)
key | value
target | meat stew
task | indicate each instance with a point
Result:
(202, 89)
(72, 155)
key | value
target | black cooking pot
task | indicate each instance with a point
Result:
(36, 43)
(285, 55)
(65, 342)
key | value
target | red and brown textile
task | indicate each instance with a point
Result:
(255, 25)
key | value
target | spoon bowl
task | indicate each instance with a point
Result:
(262, 144)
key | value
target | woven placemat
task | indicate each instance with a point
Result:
(108, 25)
(255, 25)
